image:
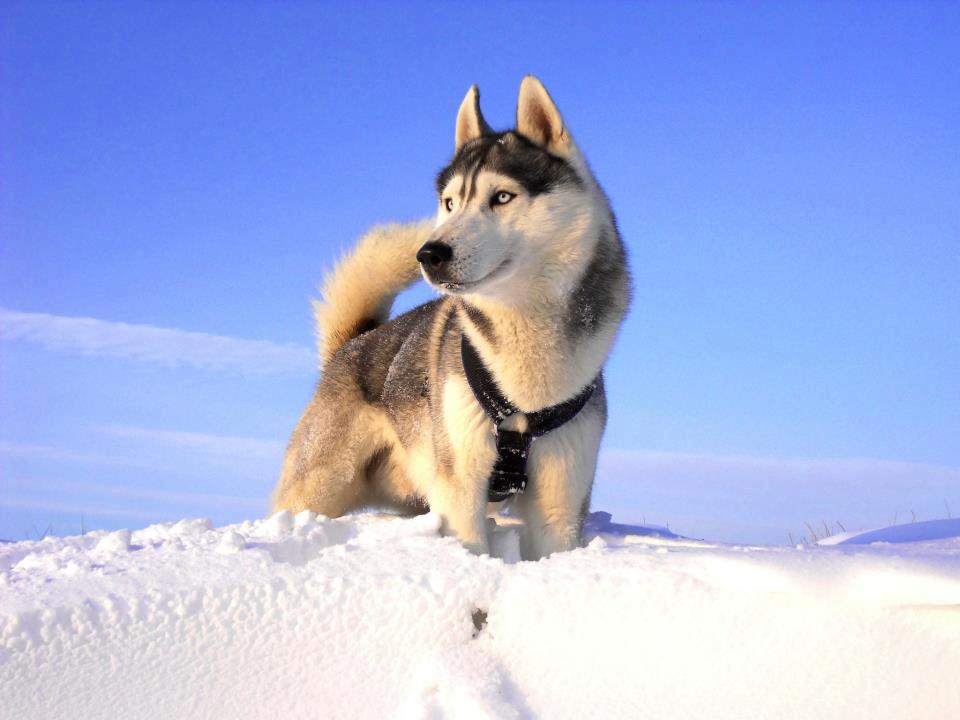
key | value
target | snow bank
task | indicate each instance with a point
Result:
(376, 617)
(906, 533)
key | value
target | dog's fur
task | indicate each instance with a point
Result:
(538, 282)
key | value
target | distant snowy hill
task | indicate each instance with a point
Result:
(907, 533)
(374, 617)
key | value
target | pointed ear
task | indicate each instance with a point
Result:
(470, 122)
(539, 120)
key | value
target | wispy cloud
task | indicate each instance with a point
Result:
(35, 451)
(58, 490)
(145, 343)
(746, 470)
(738, 498)
(150, 448)
(87, 508)
(224, 446)
(149, 455)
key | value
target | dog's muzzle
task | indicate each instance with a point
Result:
(434, 255)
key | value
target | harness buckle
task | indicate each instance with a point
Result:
(509, 475)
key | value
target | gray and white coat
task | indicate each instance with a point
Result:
(526, 254)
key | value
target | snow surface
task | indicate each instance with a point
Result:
(908, 532)
(373, 617)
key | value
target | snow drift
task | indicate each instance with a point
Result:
(370, 617)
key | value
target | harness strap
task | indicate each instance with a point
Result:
(509, 474)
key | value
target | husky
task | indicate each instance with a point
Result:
(496, 383)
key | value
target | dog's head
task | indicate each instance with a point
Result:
(515, 207)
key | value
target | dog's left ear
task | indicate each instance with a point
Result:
(539, 120)
(470, 122)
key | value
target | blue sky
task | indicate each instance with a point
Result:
(785, 176)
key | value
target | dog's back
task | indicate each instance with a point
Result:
(369, 364)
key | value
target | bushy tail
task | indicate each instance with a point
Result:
(357, 295)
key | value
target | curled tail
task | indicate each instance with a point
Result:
(357, 295)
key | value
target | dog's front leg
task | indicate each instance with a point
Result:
(560, 470)
(464, 452)
(462, 506)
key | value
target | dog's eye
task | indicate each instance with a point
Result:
(448, 204)
(502, 198)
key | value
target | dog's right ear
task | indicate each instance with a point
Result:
(470, 122)
(539, 120)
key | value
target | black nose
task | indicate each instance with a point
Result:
(434, 254)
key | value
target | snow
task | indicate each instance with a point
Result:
(907, 533)
(372, 616)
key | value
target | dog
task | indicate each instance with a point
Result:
(454, 404)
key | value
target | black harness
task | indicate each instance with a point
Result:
(509, 476)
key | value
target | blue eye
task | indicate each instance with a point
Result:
(448, 204)
(502, 198)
